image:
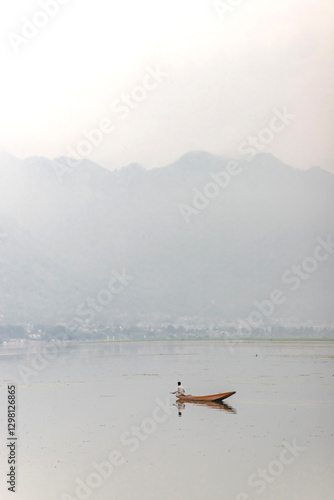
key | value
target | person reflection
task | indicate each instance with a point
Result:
(180, 406)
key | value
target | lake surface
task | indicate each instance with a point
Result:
(98, 422)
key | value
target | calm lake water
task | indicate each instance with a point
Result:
(98, 422)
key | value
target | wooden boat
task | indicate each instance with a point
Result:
(212, 397)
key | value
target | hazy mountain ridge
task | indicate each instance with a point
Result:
(64, 238)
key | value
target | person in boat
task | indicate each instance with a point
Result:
(180, 390)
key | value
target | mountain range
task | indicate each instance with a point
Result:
(207, 237)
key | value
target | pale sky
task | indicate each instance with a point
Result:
(222, 77)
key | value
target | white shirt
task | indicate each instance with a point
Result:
(180, 390)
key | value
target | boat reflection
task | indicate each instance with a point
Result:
(216, 405)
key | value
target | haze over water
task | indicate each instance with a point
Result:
(74, 413)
